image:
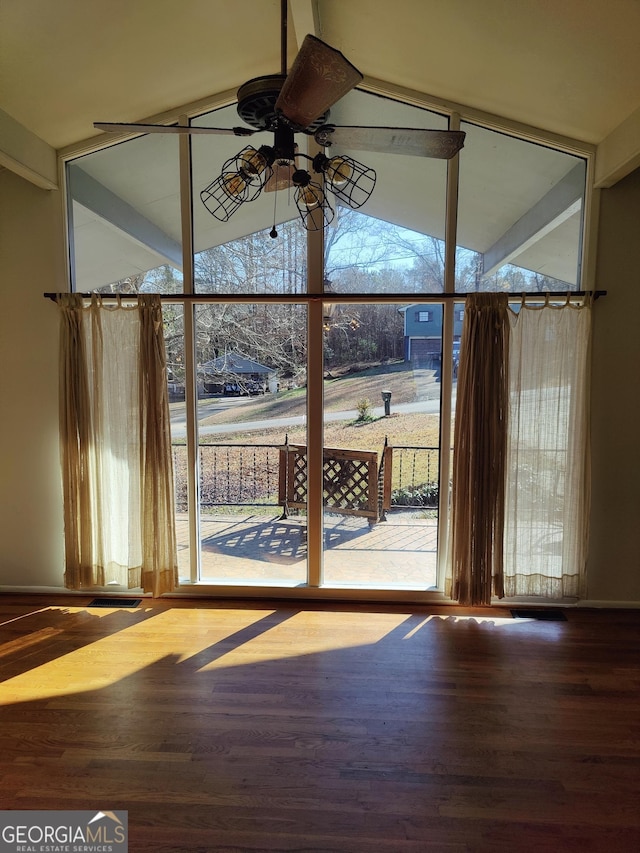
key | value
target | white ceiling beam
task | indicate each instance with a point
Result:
(26, 154)
(304, 16)
(108, 206)
(619, 153)
(562, 201)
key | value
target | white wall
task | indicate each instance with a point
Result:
(31, 262)
(613, 565)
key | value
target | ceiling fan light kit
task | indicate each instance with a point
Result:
(242, 179)
(310, 199)
(350, 181)
(299, 102)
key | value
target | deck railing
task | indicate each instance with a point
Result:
(230, 475)
(350, 481)
(413, 473)
(250, 474)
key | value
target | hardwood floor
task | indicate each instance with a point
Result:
(242, 726)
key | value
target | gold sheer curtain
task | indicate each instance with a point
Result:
(478, 493)
(116, 446)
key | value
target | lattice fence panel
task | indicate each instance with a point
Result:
(350, 480)
(346, 483)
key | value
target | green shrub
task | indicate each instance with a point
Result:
(426, 494)
(363, 407)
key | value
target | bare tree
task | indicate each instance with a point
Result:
(362, 255)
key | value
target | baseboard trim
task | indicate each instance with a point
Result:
(406, 598)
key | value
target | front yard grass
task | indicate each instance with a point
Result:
(341, 394)
(413, 430)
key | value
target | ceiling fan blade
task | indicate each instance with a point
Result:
(121, 127)
(442, 144)
(319, 76)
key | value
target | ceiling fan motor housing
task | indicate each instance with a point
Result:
(257, 103)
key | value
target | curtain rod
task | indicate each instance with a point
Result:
(338, 298)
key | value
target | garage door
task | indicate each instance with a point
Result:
(424, 351)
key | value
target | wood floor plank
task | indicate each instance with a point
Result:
(248, 726)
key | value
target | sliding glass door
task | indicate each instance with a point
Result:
(381, 447)
(247, 404)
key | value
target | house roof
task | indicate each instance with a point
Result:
(234, 363)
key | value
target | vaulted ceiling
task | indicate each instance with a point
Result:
(567, 67)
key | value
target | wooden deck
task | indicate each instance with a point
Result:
(399, 553)
(226, 726)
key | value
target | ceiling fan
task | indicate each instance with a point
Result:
(299, 102)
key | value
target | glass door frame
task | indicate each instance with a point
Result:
(315, 299)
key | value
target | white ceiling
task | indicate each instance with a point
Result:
(567, 66)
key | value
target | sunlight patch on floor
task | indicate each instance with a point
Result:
(129, 649)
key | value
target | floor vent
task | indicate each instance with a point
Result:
(114, 602)
(552, 615)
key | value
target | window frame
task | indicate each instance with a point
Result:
(313, 299)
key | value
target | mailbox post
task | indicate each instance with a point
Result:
(386, 399)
